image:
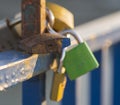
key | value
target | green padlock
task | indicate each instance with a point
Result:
(80, 59)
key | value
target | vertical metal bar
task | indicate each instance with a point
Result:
(116, 85)
(107, 76)
(49, 77)
(34, 91)
(33, 23)
(83, 90)
(33, 17)
(69, 95)
(88, 87)
(95, 80)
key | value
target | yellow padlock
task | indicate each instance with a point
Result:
(58, 86)
(64, 19)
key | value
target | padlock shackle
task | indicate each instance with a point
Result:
(50, 17)
(79, 40)
(50, 30)
(61, 60)
(74, 34)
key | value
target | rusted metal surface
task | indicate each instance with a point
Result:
(33, 41)
(33, 26)
(41, 44)
(33, 17)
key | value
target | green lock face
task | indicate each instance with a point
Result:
(79, 61)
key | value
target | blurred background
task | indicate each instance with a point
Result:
(84, 11)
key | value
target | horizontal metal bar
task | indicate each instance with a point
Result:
(100, 26)
(16, 67)
(3, 24)
(104, 40)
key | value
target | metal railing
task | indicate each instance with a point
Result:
(99, 87)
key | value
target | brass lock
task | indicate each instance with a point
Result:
(64, 19)
(59, 82)
(58, 86)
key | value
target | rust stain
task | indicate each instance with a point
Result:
(33, 17)
(107, 44)
(27, 64)
(43, 44)
(29, 76)
(93, 37)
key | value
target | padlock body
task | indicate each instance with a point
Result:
(64, 19)
(58, 86)
(79, 61)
